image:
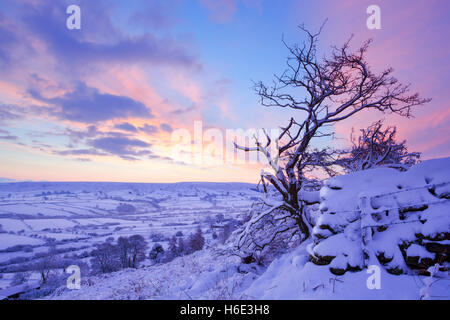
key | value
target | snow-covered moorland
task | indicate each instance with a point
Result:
(66, 221)
(379, 234)
(376, 234)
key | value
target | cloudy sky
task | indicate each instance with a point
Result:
(101, 103)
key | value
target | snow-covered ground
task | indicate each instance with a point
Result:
(208, 274)
(74, 216)
(10, 240)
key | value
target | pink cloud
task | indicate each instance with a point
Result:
(410, 41)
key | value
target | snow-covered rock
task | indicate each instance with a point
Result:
(383, 212)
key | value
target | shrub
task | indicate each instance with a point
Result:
(105, 258)
(131, 250)
(196, 241)
(156, 253)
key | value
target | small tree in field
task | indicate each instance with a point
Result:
(173, 248)
(196, 241)
(123, 248)
(156, 253)
(181, 247)
(378, 147)
(131, 250)
(45, 265)
(225, 233)
(138, 247)
(105, 258)
(321, 92)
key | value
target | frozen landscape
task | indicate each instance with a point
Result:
(72, 217)
(409, 244)
(224, 149)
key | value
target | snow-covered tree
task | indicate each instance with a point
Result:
(377, 146)
(173, 248)
(196, 241)
(225, 233)
(323, 92)
(181, 246)
(105, 258)
(157, 252)
(179, 234)
(137, 248)
(124, 248)
(45, 265)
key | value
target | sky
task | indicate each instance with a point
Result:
(104, 102)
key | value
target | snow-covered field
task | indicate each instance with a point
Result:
(35, 216)
(411, 211)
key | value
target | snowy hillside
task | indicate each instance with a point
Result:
(207, 274)
(70, 218)
(352, 265)
(377, 234)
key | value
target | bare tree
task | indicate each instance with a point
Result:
(138, 248)
(323, 92)
(156, 253)
(131, 250)
(181, 247)
(105, 258)
(123, 247)
(173, 248)
(225, 233)
(378, 147)
(44, 266)
(196, 241)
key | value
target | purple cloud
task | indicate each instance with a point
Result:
(77, 135)
(149, 129)
(88, 105)
(124, 147)
(9, 137)
(98, 40)
(126, 126)
(6, 115)
(166, 127)
(79, 152)
(6, 135)
(8, 41)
